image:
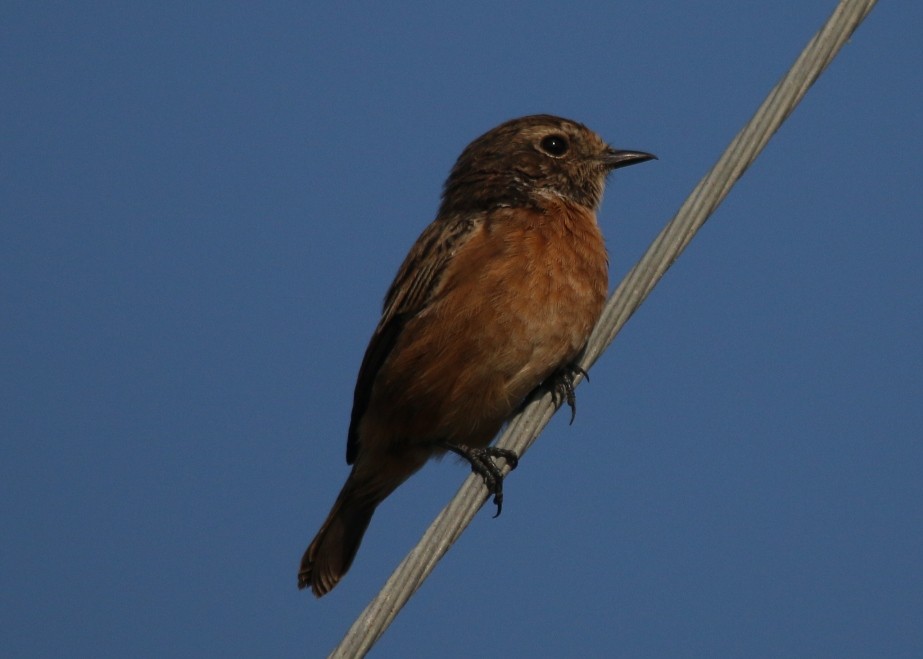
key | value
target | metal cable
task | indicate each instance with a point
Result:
(634, 288)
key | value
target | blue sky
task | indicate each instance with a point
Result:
(202, 206)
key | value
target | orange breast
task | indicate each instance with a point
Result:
(517, 302)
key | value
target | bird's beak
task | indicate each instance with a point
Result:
(613, 158)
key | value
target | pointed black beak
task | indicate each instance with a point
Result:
(613, 158)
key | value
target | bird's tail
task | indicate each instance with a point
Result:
(333, 549)
(330, 554)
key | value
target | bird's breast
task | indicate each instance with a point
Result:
(517, 302)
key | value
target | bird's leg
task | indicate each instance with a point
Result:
(561, 384)
(482, 463)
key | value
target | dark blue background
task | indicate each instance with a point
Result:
(202, 206)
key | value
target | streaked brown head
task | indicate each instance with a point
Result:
(524, 160)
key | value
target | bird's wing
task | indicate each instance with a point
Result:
(413, 290)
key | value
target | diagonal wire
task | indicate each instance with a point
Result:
(638, 283)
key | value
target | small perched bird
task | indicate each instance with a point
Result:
(496, 298)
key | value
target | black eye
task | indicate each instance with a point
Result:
(555, 145)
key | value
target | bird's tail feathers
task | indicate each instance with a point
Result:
(333, 549)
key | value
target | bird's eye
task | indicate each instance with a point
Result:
(554, 145)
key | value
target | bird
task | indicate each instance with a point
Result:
(495, 299)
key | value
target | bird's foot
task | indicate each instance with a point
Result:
(483, 464)
(561, 384)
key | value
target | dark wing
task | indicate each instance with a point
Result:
(412, 290)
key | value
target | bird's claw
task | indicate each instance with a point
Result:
(483, 464)
(562, 387)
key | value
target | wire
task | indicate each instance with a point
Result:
(634, 288)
